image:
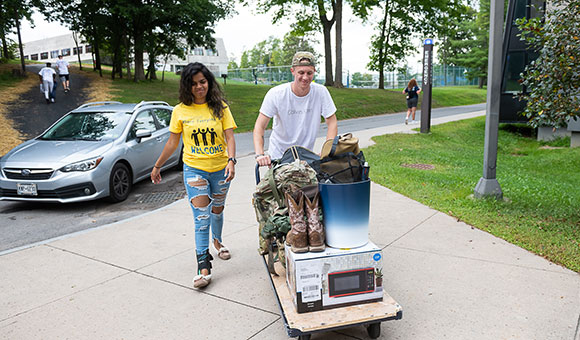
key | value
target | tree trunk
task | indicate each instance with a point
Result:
(151, 69)
(127, 54)
(97, 53)
(19, 42)
(326, 28)
(138, 39)
(382, 48)
(76, 39)
(338, 46)
(4, 44)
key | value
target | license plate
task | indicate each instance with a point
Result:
(26, 189)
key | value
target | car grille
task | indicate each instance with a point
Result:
(28, 174)
(77, 190)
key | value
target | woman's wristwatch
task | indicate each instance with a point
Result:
(233, 160)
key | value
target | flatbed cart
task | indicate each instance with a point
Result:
(302, 325)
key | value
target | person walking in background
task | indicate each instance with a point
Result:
(47, 78)
(62, 66)
(209, 166)
(412, 91)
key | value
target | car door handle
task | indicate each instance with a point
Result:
(159, 139)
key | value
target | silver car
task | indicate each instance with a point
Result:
(97, 150)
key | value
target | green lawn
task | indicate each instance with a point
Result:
(245, 99)
(540, 184)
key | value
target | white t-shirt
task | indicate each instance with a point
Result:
(296, 119)
(46, 73)
(62, 66)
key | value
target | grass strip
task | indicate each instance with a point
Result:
(245, 99)
(539, 181)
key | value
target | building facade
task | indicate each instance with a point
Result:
(48, 50)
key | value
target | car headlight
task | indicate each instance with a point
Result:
(85, 165)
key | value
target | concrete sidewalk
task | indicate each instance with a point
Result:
(132, 279)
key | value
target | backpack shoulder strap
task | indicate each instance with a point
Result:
(272, 182)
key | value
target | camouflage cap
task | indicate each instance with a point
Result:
(303, 58)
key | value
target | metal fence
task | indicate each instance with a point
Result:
(443, 75)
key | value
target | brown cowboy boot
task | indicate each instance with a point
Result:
(296, 237)
(315, 228)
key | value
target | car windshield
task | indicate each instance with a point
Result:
(93, 126)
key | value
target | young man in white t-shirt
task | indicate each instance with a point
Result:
(47, 78)
(62, 66)
(296, 108)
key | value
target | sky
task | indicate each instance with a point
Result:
(247, 28)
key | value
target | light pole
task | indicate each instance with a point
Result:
(488, 186)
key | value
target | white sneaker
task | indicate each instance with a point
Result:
(406, 121)
(414, 122)
(52, 100)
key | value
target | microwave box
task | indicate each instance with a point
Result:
(335, 277)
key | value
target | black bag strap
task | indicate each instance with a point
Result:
(334, 146)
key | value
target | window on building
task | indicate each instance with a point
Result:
(44, 55)
(78, 50)
(34, 57)
(54, 54)
(210, 52)
(198, 51)
(65, 52)
(26, 57)
(88, 49)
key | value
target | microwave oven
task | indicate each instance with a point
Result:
(335, 277)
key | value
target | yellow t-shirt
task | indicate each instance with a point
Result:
(204, 143)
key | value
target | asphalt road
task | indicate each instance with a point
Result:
(22, 223)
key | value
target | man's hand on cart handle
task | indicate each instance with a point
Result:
(263, 160)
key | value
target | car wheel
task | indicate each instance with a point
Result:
(119, 183)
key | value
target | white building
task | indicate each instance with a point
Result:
(49, 49)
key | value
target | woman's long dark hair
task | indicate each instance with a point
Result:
(215, 96)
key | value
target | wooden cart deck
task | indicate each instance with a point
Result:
(330, 319)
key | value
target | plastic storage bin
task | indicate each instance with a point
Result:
(346, 210)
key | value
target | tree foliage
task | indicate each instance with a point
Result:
(12, 12)
(276, 52)
(361, 79)
(469, 45)
(553, 79)
(158, 27)
(400, 22)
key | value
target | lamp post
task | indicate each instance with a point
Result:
(488, 186)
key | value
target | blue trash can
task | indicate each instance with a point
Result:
(346, 210)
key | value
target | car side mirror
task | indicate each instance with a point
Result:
(142, 133)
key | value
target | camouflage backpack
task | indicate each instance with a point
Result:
(270, 206)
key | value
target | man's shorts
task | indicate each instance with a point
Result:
(412, 102)
(63, 77)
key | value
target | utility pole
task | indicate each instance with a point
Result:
(488, 186)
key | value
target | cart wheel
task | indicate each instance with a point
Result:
(374, 330)
(304, 337)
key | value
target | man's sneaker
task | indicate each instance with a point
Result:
(406, 121)
(415, 122)
(52, 100)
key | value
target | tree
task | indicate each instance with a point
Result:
(471, 44)
(401, 19)
(553, 79)
(363, 79)
(274, 52)
(311, 15)
(232, 65)
(11, 14)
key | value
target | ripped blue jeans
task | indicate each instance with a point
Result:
(201, 184)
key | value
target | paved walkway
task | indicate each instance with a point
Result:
(132, 279)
